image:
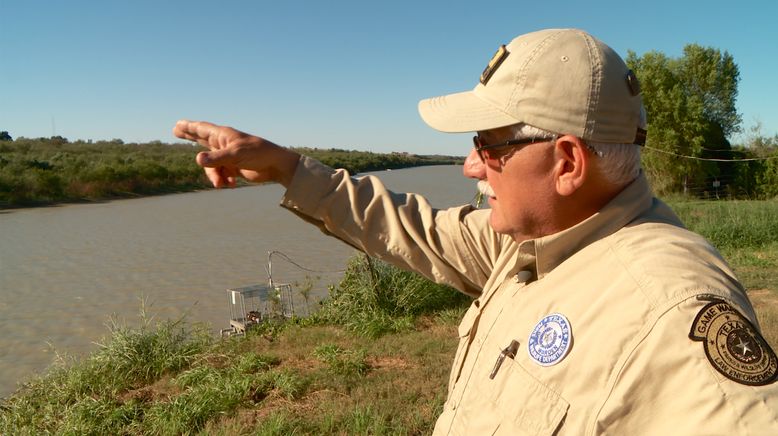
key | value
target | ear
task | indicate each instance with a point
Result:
(571, 164)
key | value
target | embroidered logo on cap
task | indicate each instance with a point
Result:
(494, 63)
(550, 340)
(733, 345)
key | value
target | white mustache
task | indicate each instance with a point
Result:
(485, 189)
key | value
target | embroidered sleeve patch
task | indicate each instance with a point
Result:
(733, 345)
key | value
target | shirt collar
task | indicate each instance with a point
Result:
(550, 251)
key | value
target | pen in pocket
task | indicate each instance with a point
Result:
(509, 351)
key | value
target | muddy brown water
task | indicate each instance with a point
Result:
(66, 270)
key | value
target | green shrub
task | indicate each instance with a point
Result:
(375, 298)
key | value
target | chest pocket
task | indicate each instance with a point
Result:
(525, 406)
(465, 328)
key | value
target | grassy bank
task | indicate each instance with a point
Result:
(36, 172)
(374, 360)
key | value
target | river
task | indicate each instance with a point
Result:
(66, 271)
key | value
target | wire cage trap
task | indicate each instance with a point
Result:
(255, 304)
(252, 305)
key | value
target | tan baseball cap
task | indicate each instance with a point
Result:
(561, 80)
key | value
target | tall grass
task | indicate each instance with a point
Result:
(375, 298)
(341, 361)
(77, 395)
(731, 224)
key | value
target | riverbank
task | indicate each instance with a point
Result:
(372, 360)
(40, 172)
(362, 365)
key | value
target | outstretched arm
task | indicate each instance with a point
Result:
(234, 154)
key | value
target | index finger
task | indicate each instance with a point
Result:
(199, 131)
(207, 134)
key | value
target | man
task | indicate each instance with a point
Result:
(595, 311)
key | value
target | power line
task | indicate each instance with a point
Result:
(285, 257)
(751, 159)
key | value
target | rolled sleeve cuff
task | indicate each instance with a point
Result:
(311, 182)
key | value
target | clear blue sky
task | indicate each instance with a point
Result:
(344, 74)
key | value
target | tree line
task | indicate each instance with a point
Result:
(690, 101)
(51, 170)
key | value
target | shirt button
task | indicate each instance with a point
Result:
(453, 405)
(523, 276)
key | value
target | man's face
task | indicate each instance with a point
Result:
(518, 185)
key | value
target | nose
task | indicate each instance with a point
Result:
(474, 168)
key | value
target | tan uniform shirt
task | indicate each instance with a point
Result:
(623, 324)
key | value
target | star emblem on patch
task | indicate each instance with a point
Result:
(733, 345)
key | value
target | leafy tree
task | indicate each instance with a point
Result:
(4, 136)
(691, 111)
(758, 143)
(761, 175)
(58, 140)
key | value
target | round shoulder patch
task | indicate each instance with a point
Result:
(733, 345)
(550, 340)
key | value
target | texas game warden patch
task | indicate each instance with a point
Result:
(550, 340)
(733, 345)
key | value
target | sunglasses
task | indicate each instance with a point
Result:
(493, 152)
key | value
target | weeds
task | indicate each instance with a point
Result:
(451, 316)
(346, 363)
(77, 395)
(731, 224)
(304, 289)
(190, 410)
(375, 298)
(284, 383)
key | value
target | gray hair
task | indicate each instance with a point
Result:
(618, 163)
